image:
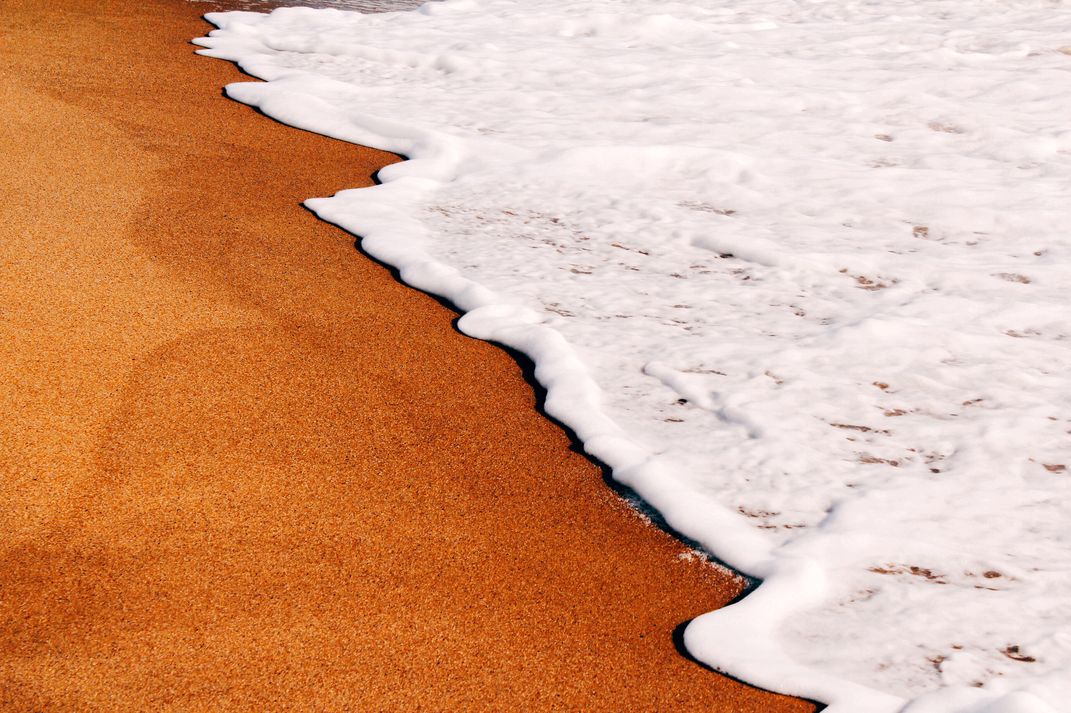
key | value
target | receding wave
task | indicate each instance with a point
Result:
(798, 272)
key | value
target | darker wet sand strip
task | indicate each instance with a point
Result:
(242, 467)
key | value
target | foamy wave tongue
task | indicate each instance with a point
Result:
(797, 271)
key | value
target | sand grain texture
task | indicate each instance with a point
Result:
(244, 468)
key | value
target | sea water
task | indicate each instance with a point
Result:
(798, 272)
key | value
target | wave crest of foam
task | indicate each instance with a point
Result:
(798, 272)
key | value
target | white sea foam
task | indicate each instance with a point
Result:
(357, 5)
(797, 271)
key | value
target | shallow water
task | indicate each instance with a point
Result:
(795, 271)
(358, 5)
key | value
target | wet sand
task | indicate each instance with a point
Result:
(241, 467)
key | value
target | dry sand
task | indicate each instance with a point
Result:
(243, 467)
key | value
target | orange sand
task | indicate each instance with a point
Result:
(242, 467)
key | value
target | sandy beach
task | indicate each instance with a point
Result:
(245, 468)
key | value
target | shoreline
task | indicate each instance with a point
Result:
(219, 494)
